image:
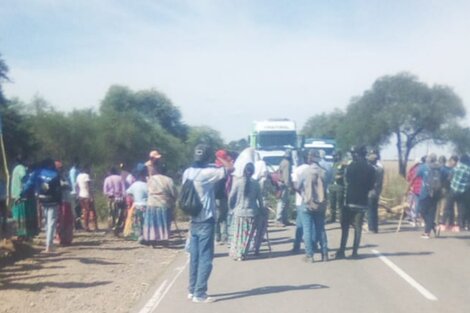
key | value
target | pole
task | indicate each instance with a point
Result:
(5, 166)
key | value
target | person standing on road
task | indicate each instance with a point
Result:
(296, 175)
(374, 194)
(139, 193)
(202, 227)
(414, 189)
(75, 203)
(359, 179)
(161, 200)
(221, 198)
(24, 208)
(460, 190)
(448, 214)
(85, 196)
(285, 171)
(246, 201)
(113, 189)
(45, 182)
(336, 188)
(312, 211)
(431, 174)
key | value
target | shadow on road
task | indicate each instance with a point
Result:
(42, 285)
(264, 291)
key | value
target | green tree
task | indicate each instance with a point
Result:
(402, 107)
(238, 145)
(324, 125)
(152, 105)
(204, 135)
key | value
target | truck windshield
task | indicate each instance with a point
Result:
(274, 139)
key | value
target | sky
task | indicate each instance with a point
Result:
(228, 63)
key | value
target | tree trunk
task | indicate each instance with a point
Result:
(401, 158)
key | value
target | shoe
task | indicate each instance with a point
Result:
(190, 296)
(425, 236)
(295, 251)
(456, 229)
(325, 257)
(307, 259)
(355, 256)
(205, 299)
(340, 255)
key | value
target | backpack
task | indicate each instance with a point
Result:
(189, 200)
(433, 181)
(49, 186)
(314, 193)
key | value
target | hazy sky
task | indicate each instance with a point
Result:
(227, 63)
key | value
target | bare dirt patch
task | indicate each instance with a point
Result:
(98, 273)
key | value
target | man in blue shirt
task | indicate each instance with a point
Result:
(202, 226)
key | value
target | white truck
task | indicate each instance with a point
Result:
(271, 138)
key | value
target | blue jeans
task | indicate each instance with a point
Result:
(50, 211)
(298, 230)
(314, 230)
(201, 252)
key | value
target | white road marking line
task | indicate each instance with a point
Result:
(161, 292)
(428, 295)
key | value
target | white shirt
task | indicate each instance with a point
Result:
(296, 175)
(82, 182)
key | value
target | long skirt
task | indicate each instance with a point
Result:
(134, 222)
(156, 226)
(65, 223)
(25, 215)
(243, 231)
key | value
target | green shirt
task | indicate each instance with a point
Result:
(19, 172)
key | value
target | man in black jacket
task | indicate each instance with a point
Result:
(359, 180)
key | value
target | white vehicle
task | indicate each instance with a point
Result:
(271, 138)
(327, 145)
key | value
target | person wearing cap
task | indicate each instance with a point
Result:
(202, 226)
(374, 194)
(312, 211)
(285, 171)
(359, 180)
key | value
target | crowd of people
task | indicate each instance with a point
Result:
(235, 195)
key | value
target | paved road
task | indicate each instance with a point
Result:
(398, 272)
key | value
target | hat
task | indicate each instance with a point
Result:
(201, 153)
(154, 154)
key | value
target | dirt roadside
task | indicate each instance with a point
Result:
(98, 273)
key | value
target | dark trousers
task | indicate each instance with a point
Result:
(463, 207)
(428, 208)
(356, 218)
(373, 214)
(336, 200)
(448, 216)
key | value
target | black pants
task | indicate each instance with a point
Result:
(428, 208)
(462, 200)
(356, 218)
(373, 214)
(448, 216)
(336, 200)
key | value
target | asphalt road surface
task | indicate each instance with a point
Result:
(397, 272)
